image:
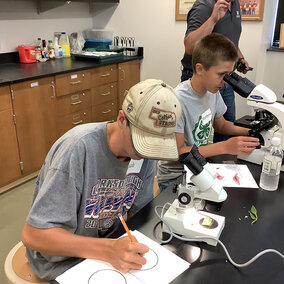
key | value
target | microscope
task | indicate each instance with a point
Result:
(184, 215)
(269, 115)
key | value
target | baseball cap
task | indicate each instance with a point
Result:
(153, 110)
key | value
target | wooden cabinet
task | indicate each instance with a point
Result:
(72, 110)
(9, 154)
(128, 75)
(72, 82)
(103, 75)
(35, 114)
(38, 112)
(73, 100)
(104, 93)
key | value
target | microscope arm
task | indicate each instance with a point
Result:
(206, 185)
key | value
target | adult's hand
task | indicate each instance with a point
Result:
(242, 66)
(220, 9)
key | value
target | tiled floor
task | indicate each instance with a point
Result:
(14, 207)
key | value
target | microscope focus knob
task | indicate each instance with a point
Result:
(184, 198)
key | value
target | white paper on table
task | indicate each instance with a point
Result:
(161, 264)
(226, 173)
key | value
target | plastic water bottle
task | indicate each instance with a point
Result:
(271, 167)
(38, 49)
(57, 49)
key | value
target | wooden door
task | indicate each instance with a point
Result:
(9, 154)
(129, 75)
(35, 114)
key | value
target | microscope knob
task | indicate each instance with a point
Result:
(184, 198)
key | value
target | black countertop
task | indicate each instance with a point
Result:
(17, 72)
(209, 264)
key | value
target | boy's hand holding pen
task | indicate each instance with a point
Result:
(128, 253)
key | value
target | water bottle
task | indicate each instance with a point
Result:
(38, 49)
(271, 167)
(64, 43)
(50, 49)
(57, 49)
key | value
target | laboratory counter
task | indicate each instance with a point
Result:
(242, 239)
(11, 71)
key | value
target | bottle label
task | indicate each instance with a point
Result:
(66, 50)
(266, 166)
(272, 163)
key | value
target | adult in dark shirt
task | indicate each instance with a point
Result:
(205, 17)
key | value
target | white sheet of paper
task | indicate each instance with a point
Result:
(161, 264)
(226, 173)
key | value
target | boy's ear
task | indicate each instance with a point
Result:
(121, 118)
(199, 68)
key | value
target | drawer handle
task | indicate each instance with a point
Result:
(107, 111)
(74, 83)
(76, 103)
(105, 75)
(78, 122)
(53, 90)
(105, 94)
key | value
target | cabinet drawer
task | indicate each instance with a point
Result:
(72, 82)
(68, 121)
(104, 93)
(104, 75)
(105, 112)
(5, 99)
(73, 103)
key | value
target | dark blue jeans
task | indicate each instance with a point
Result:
(228, 96)
(164, 184)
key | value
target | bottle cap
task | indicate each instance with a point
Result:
(275, 141)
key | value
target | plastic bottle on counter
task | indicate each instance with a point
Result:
(38, 49)
(57, 49)
(64, 42)
(271, 167)
(50, 48)
(44, 50)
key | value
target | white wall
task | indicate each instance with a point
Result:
(21, 24)
(153, 25)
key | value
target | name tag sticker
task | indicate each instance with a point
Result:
(134, 166)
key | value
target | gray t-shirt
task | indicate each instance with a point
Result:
(229, 25)
(81, 188)
(198, 113)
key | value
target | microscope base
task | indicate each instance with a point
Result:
(188, 223)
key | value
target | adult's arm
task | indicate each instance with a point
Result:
(219, 11)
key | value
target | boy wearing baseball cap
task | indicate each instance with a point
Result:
(93, 173)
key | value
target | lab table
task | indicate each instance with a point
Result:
(243, 240)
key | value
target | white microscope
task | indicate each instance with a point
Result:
(184, 215)
(268, 120)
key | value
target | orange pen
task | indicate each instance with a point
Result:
(126, 228)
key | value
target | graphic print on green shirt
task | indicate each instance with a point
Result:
(202, 129)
